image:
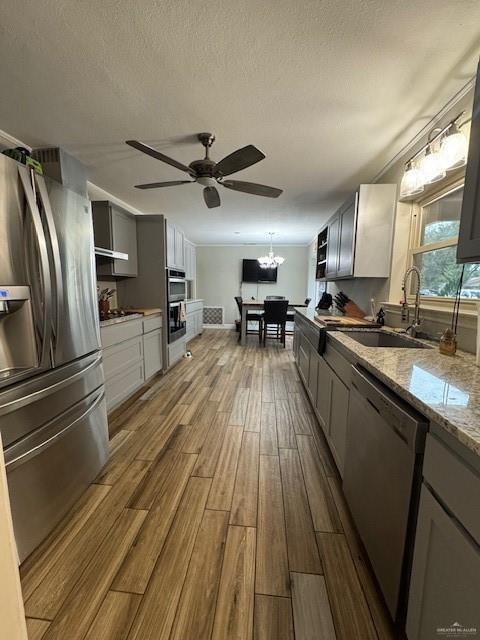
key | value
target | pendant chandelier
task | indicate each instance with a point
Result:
(271, 261)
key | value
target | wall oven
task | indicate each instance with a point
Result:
(176, 293)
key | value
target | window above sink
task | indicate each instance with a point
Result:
(436, 222)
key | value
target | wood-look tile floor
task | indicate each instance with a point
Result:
(219, 516)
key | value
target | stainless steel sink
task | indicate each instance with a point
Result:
(384, 339)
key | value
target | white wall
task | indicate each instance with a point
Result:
(219, 274)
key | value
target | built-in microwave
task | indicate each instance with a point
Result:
(176, 285)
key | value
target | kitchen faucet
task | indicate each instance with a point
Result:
(405, 308)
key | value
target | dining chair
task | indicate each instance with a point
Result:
(251, 317)
(274, 297)
(275, 314)
(291, 316)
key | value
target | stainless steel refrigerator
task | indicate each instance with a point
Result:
(52, 408)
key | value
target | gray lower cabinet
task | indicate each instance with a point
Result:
(304, 359)
(123, 365)
(313, 376)
(176, 350)
(324, 394)
(445, 583)
(152, 352)
(132, 353)
(194, 319)
(326, 380)
(339, 398)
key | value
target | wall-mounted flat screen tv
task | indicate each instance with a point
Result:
(253, 272)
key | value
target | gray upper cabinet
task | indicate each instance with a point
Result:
(175, 247)
(360, 234)
(179, 248)
(190, 260)
(468, 248)
(346, 247)
(115, 229)
(332, 247)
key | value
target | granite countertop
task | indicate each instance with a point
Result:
(445, 389)
(127, 318)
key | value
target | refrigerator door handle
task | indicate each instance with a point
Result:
(24, 174)
(23, 457)
(57, 263)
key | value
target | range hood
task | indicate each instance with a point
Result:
(108, 253)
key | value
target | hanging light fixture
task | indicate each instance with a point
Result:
(431, 166)
(412, 182)
(445, 150)
(271, 261)
(454, 148)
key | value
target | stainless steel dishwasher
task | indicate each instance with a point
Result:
(384, 451)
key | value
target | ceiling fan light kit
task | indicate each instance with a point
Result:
(209, 173)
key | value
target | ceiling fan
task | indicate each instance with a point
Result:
(209, 173)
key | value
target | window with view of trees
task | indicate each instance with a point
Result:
(434, 252)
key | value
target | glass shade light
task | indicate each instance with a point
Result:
(412, 182)
(432, 166)
(271, 261)
(454, 149)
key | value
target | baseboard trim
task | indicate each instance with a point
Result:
(219, 326)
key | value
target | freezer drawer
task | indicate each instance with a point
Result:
(48, 470)
(31, 404)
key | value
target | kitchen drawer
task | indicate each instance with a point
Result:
(309, 331)
(150, 323)
(338, 363)
(152, 350)
(122, 356)
(120, 386)
(191, 307)
(115, 333)
(455, 482)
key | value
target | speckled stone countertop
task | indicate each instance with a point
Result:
(445, 389)
(130, 316)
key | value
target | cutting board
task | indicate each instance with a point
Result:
(146, 312)
(345, 321)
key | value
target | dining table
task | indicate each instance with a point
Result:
(254, 305)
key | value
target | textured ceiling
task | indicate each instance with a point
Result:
(328, 90)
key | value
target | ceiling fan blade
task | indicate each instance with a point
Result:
(211, 197)
(156, 185)
(252, 187)
(238, 160)
(150, 151)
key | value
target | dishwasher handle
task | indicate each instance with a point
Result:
(407, 423)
